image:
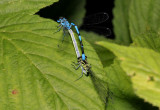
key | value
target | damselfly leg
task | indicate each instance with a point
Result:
(76, 68)
(64, 34)
(81, 74)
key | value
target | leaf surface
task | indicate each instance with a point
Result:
(121, 22)
(148, 40)
(143, 67)
(144, 16)
(36, 74)
(122, 96)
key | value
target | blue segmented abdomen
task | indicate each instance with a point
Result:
(83, 57)
(80, 39)
(67, 25)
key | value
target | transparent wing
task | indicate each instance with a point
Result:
(98, 29)
(95, 18)
(102, 89)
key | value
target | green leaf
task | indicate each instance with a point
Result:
(123, 97)
(144, 16)
(104, 54)
(143, 67)
(120, 21)
(36, 74)
(10, 7)
(149, 40)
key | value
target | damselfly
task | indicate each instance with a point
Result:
(80, 63)
(66, 25)
(101, 86)
(90, 20)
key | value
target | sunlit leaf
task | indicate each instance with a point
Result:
(36, 73)
(121, 22)
(144, 16)
(143, 67)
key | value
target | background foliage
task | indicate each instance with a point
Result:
(36, 74)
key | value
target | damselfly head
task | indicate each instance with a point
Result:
(61, 19)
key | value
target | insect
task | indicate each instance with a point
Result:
(66, 25)
(80, 62)
(101, 87)
(90, 20)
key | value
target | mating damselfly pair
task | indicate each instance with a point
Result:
(82, 59)
(90, 20)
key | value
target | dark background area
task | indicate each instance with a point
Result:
(91, 7)
(94, 6)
